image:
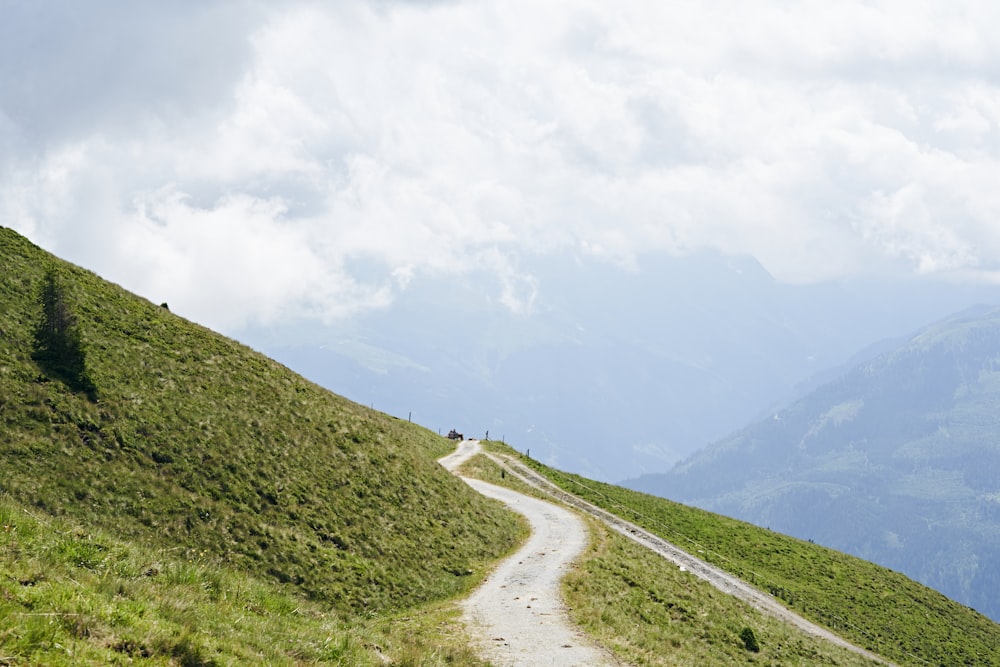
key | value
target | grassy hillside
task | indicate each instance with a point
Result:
(75, 596)
(205, 452)
(871, 606)
(202, 505)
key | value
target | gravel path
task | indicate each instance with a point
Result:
(519, 610)
(518, 613)
(725, 582)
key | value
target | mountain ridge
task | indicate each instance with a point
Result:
(612, 371)
(898, 453)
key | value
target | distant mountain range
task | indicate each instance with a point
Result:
(895, 460)
(612, 372)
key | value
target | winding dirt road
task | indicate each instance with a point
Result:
(519, 607)
(518, 613)
(725, 582)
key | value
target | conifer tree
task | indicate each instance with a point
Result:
(58, 344)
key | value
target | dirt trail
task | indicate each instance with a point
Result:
(518, 612)
(538, 636)
(725, 582)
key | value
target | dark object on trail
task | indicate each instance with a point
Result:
(455, 435)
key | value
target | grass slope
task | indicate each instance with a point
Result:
(70, 596)
(875, 608)
(205, 451)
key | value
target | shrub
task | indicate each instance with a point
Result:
(749, 640)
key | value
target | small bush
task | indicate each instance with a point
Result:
(749, 640)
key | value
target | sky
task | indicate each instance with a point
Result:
(253, 162)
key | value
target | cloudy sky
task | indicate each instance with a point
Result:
(250, 161)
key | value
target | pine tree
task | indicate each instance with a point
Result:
(58, 343)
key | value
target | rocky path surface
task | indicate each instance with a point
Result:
(518, 613)
(725, 582)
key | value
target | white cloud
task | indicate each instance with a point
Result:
(241, 258)
(244, 184)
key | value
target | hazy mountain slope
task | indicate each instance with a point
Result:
(199, 444)
(896, 461)
(611, 372)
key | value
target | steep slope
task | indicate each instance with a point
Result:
(897, 461)
(198, 444)
(71, 595)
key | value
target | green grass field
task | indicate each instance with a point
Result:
(74, 597)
